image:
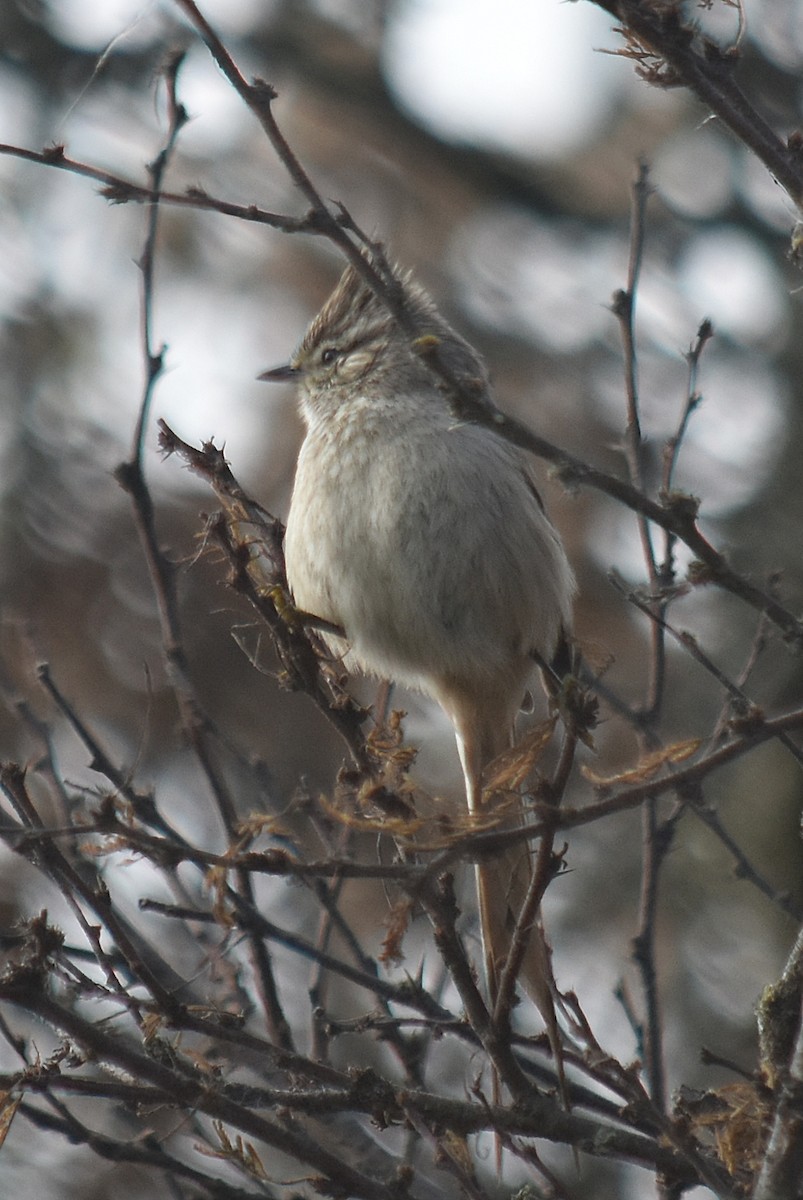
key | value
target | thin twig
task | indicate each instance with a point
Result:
(79, 893)
(656, 838)
(739, 706)
(624, 308)
(142, 803)
(119, 190)
(691, 404)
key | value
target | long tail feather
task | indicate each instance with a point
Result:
(484, 730)
(502, 886)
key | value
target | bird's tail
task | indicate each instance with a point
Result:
(503, 883)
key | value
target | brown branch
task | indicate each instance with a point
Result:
(142, 803)
(339, 226)
(677, 514)
(662, 30)
(656, 841)
(438, 901)
(624, 308)
(742, 708)
(682, 780)
(543, 873)
(631, 797)
(626, 1081)
(178, 1085)
(119, 190)
(145, 1152)
(742, 866)
(252, 921)
(692, 402)
(190, 1092)
(252, 541)
(82, 893)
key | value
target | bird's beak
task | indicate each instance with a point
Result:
(283, 374)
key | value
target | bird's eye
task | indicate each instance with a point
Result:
(329, 355)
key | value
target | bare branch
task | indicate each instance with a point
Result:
(682, 56)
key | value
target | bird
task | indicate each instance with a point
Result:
(422, 536)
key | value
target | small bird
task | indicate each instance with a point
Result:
(423, 537)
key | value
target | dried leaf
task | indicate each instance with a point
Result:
(398, 823)
(397, 925)
(597, 657)
(152, 1023)
(738, 1116)
(110, 844)
(217, 879)
(8, 1109)
(509, 771)
(647, 767)
(455, 1147)
(239, 1152)
(742, 1137)
(257, 823)
(386, 742)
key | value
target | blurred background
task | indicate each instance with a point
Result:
(492, 145)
